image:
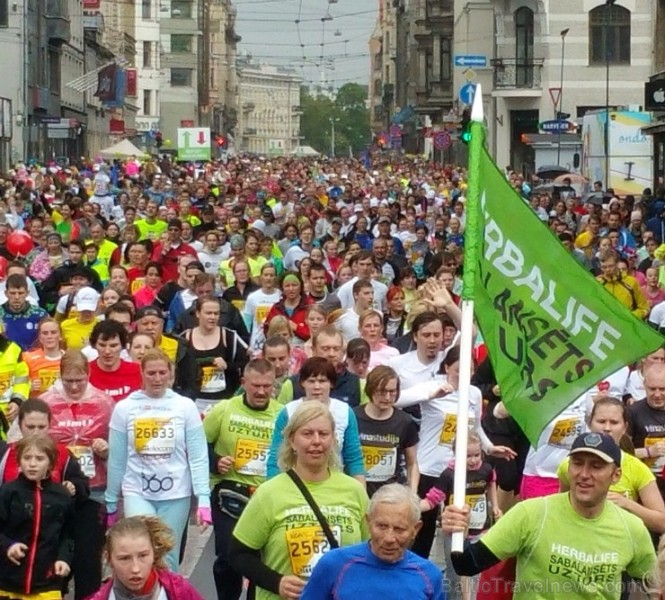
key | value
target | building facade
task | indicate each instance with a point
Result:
(516, 49)
(148, 64)
(197, 65)
(269, 109)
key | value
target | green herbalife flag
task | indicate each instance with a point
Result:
(551, 330)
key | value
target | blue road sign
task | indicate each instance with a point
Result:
(467, 92)
(556, 126)
(470, 60)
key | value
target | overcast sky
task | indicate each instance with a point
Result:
(334, 51)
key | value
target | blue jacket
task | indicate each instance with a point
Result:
(356, 572)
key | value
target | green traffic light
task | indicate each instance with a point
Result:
(466, 136)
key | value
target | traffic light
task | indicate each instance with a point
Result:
(159, 139)
(220, 141)
(465, 134)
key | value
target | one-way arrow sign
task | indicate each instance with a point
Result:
(470, 60)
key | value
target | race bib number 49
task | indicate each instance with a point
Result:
(306, 547)
(154, 436)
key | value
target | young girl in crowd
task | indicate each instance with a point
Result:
(36, 519)
(135, 550)
(480, 496)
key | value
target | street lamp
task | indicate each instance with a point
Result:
(564, 33)
(333, 120)
(608, 9)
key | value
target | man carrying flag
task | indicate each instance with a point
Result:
(572, 545)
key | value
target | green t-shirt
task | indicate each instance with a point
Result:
(279, 522)
(286, 393)
(560, 554)
(239, 431)
(635, 476)
(151, 231)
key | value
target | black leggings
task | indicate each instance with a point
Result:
(89, 539)
(422, 545)
(228, 583)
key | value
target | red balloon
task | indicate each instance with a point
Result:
(19, 243)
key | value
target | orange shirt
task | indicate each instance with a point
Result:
(45, 371)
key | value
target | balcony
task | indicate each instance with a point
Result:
(58, 25)
(514, 74)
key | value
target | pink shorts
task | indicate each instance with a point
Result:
(534, 486)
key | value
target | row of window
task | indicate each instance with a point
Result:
(180, 44)
(180, 9)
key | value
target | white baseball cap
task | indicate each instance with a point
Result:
(87, 298)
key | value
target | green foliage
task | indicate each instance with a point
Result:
(349, 110)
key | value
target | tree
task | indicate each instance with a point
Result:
(315, 120)
(349, 109)
(351, 105)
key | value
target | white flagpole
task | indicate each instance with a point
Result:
(466, 347)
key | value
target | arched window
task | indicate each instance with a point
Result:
(609, 35)
(524, 46)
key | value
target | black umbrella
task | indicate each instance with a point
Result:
(597, 198)
(550, 171)
(547, 188)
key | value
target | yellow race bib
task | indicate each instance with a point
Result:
(380, 463)
(154, 436)
(251, 457)
(213, 379)
(5, 382)
(85, 458)
(565, 431)
(47, 378)
(261, 313)
(448, 430)
(306, 546)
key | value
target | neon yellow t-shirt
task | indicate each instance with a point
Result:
(75, 334)
(560, 554)
(279, 522)
(105, 251)
(255, 265)
(238, 431)
(151, 231)
(635, 476)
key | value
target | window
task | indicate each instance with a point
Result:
(181, 9)
(181, 43)
(147, 107)
(609, 35)
(524, 47)
(446, 60)
(4, 13)
(146, 9)
(378, 87)
(181, 77)
(147, 54)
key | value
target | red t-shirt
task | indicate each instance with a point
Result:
(119, 383)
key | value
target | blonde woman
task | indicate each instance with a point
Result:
(280, 523)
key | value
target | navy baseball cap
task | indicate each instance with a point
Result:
(600, 444)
